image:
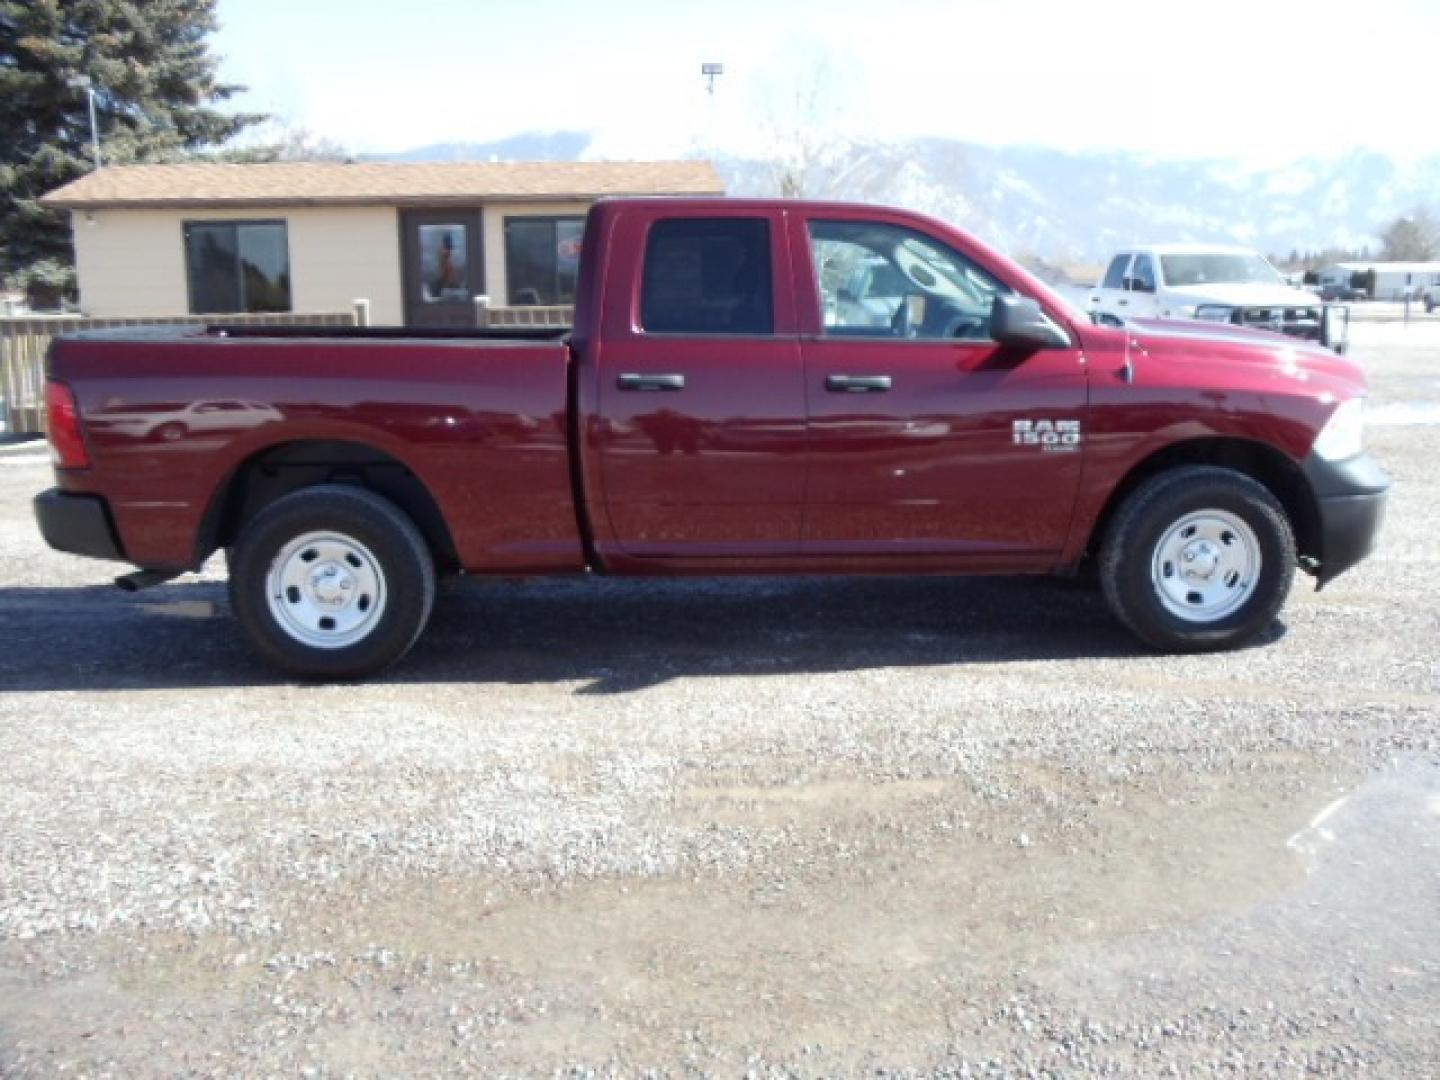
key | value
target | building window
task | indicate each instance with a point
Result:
(542, 259)
(237, 266)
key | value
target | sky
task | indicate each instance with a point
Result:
(1257, 81)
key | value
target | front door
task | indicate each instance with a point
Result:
(1144, 302)
(701, 435)
(927, 437)
(1112, 295)
(443, 268)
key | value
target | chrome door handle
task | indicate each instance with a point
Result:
(857, 384)
(635, 381)
(1122, 303)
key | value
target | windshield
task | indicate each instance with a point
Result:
(1215, 269)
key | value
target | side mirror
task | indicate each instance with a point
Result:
(1018, 320)
(1135, 284)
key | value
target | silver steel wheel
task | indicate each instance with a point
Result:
(326, 590)
(1206, 565)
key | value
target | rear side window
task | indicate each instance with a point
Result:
(1115, 276)
(708, 276)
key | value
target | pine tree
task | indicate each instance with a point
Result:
(155, 83)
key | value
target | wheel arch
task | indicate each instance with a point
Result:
(281, 468)
(1271, 468)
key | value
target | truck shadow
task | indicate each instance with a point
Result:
(607, 636)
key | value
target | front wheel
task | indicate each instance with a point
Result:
(332, 582)
(1198, 559)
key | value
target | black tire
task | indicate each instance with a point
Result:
(1140, 583)
(382, 540)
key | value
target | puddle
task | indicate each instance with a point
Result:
(1358, 926)
(1390, 825)
(1404, 414)
(1316, 836)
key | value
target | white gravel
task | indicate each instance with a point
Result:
(783, 827)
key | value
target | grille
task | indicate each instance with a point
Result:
(1301, 322)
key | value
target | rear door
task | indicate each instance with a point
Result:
(701, 421)
(927, 437)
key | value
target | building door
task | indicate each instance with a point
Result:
(443, 267)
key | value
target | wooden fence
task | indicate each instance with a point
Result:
(24, 342)
(559, 315)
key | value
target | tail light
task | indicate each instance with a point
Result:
(67, 442)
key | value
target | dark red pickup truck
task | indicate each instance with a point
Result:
(750, 387)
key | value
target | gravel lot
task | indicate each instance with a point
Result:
(788, 827)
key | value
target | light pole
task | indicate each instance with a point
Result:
(711, 72)
(84, 82)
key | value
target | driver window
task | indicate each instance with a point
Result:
(1115, 276)
(1142, 274)
(878, 280)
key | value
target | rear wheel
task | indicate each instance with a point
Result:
(332, 582)
(1197, 559)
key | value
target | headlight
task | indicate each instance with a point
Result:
(1344, 433)
(1214, 312)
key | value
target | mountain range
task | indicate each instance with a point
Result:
(1073, 207)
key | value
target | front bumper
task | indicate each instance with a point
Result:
(1350, 496)
(77, 524)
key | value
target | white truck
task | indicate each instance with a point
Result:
(1213, 283)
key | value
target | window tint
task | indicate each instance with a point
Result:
(1143, 274)
(708, 276)
(237, 266)
(542, 259)
(879, 280)
(1115, 276)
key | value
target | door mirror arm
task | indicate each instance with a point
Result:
(1020, 321)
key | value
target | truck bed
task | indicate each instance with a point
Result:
(178, 417)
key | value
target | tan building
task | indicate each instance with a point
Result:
(419, 242)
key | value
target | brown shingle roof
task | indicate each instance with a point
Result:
(331, 184)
